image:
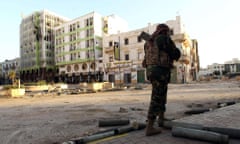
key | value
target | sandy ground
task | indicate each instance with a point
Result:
(52, 119)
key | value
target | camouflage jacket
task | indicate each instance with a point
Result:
(159, 53)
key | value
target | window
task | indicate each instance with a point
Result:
(126, 56)
(93, 65)
(91, 20)
(76, 67)
(171, 32)
(84, 66)
(86, 22)
(68, 68)
(126, 41)
(74, 27)
(87, 33)
(110, 43)
(139, 39)
(111, 59)
(87, 54)
(87, 43)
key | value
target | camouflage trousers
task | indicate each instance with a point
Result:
(159, 78)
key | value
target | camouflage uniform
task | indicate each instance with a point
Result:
(158, 63)
(159, 77)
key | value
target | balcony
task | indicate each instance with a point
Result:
(184, 59)
(178, 37)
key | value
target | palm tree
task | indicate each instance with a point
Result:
(12, 76)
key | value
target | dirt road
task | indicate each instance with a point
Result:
(49, 119)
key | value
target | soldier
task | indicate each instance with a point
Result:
(160, 52)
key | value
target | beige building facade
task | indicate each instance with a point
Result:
(128, 68)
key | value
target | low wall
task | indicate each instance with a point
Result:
(37, 88)
(4, 92)
(97, 86)
(18, 92)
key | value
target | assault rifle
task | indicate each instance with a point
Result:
(145, 36)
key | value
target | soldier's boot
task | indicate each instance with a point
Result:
(161, 119)
(150, 130)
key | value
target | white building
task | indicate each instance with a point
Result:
(232, 66)
(78, 46)
(7, 67)
(216, 68)
(205, 72)
(114, 24)
(37, 45)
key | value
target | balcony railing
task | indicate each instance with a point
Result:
(184, 59)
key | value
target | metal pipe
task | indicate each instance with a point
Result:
(91, 138)
(231, 132)
(98, 136)
(197, 111)
(109, 132)
(200, 135)
(113, 122)
(124, 129)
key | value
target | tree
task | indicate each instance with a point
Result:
(12, 76)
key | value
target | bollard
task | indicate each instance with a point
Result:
(200, 135)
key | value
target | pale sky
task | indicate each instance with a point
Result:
(214, 23)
